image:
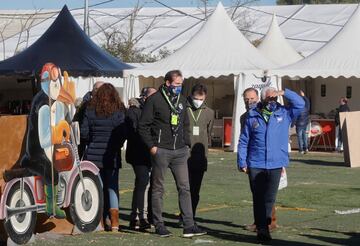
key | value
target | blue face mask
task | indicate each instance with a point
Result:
(271, 106)
(176, 89)
(250, 106)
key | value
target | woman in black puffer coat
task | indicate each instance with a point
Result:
(104, 130)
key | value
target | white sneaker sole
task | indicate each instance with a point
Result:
(188, 235)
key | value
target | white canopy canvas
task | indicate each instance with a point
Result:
(339, 57)
(276, 48)
(219, 48)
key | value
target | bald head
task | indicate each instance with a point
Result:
(97, 85)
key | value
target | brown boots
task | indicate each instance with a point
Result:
(114, 218)
(273, 224)
(112, 223)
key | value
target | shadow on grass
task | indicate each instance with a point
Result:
(202, 220)
(237, 237)
(353, 240)
(320, 162)
(231, 236)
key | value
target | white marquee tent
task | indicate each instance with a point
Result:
(339, 57)
(218, 49)
(331, 72)
(306, 27)
(276, 48)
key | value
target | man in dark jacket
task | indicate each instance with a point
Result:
(301, 123)
(164, 129)
(201, 119)
(137, 154)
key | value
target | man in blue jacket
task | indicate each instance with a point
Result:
(301, 123)
(263, 151)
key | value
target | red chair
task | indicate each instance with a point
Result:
(325, 132)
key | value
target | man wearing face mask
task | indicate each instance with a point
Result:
(201, 122)
(263, 151)
(251, 99)
(164, 128)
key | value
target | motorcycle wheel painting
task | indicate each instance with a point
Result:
(20, 227)
(86, 207)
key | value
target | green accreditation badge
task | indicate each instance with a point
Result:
(174, 119)
(196, 131)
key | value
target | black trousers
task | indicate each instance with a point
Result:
(140, 199)
(264, 186)
(195, 180)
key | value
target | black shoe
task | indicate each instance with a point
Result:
(263, 235)
(162, 231)
(134, 225)
(144, 224)
(193, 231)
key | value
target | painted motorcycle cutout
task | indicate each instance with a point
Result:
(51, 177)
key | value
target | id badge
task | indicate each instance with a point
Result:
(174, 119)
(196, 131)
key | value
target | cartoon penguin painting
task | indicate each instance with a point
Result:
(47, 126)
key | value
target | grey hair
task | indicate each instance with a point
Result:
(265, 90)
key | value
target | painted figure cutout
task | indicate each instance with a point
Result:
(47, 128)
(51, 176)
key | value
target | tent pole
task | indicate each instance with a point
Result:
(86, 17)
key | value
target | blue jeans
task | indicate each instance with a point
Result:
(302, 138)
(110, 179)
(264, 185)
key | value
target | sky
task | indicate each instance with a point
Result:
(57, 4)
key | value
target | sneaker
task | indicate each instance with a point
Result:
(134, 225)
(306, 151)
(162, 231)
(302, 152)
(144, 224)
(193, 231)
(263, 235)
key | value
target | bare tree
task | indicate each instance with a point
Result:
(25, 26)
(239, 15)
(122, 41)
(2, 35)
(17, 26)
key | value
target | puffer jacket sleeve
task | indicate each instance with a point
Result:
(243, 145)
(296, 102)
(84, 128)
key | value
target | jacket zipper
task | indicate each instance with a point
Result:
(159, 139)
(175, 142)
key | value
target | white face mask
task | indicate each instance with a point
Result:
(197, 103)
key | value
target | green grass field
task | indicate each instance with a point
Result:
(318, 185)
